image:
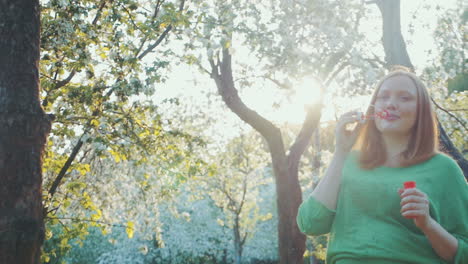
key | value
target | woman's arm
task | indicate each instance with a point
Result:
(415, 204)
(443, 243)
(327, 190)
(449, 234)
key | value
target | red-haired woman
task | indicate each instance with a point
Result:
(360, 202)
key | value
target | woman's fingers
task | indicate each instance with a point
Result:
(414, 206)
(346, 120)
(413, 213)
(412, 191)
(414, 203)
(344, 137)
(357, 128)
(413, 199)
(351, 114)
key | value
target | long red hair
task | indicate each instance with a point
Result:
(423, 141)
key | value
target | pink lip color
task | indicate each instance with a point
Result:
(381, 114)
(392, 117)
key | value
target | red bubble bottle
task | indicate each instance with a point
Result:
(409, 185)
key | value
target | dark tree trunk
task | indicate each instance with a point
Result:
(393, 42)
(237, 241)
(23, 131)
(397, 54)
(291, 241)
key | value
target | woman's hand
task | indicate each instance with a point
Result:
(345, 139)
(415, 204)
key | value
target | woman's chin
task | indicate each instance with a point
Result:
(393, 131)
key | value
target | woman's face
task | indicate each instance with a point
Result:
(398, 96)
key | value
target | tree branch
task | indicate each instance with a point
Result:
(222, 74)
(72, 156)
(449, 148)
(155, 14)
(303, 139)
(244, 192)
(99, 12)
(65, 81)
(67, 165)
(86, 220)
(450, 114)
(161, 37)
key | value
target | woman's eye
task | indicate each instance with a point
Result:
(405, 98)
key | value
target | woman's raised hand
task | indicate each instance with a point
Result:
(345, 138)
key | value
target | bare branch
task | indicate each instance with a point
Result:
(278, 83)
(67, 165)
(155, 14)
(86, 220)
(450, 114)
(303, 138)
(99, 12)
(64, 82)
(244, 192)
(226, 88)
(161, 37)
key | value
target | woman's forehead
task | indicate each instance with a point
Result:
(398, 83)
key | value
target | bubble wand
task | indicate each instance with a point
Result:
(384, 114)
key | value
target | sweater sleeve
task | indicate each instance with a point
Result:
(454, 212)
(462, 251)
(314, 218)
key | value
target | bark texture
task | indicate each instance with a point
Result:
(23, 131)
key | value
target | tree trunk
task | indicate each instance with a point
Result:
(393, 42)
(397, 54)
(237, 242)
(291, 241)
(23, 131)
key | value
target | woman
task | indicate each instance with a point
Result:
(360, 200)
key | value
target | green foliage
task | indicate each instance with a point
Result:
(450, 66)
(459, 83)
(447, 76)
(99, 66)
(235, 183)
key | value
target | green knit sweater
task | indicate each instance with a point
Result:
(367, 226)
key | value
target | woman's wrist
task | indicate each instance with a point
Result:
(443, 243)
(430, 226)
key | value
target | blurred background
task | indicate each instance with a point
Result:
(173, 118)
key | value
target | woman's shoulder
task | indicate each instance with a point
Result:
(443, 159)
(448, 166)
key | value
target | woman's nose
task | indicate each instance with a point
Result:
(391, 104)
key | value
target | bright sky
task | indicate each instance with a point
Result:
(191, 86)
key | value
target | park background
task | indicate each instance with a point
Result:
(148, 160)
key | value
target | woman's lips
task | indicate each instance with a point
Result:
(392, 117)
